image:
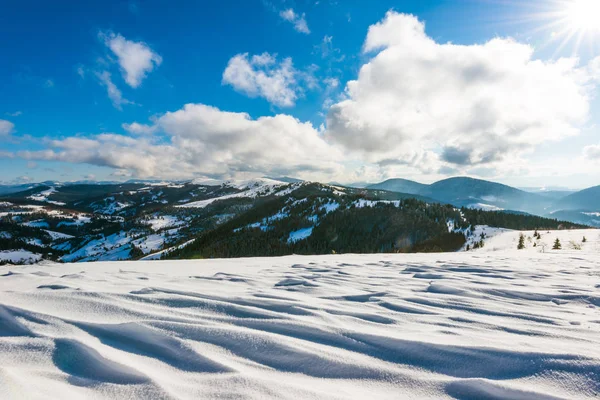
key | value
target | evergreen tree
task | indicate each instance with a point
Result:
(557, 245)
(521, 244)
(584, 239)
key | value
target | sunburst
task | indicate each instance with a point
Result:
(573, 24)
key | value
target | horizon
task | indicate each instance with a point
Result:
(364, 185)
(320, 91)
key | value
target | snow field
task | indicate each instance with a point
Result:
(469, 325)
(497, 239)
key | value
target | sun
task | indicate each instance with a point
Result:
(583, 15)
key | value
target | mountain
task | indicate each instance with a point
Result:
(399, 185)
(212, 218)
(543, 189)
(472, 193)
(581, 207)
(555, 194)
(587, 199)
(7, 189)
(285, 179)
(477, 193)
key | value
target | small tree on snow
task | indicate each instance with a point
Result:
(584, 240)
(521, 244)
(557, 245)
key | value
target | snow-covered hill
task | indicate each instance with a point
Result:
(470, 325)
(574, 241)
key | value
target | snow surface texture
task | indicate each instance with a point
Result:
(470, 325)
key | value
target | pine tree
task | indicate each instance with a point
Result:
(557, 245)
(584, 239)
(521, 244)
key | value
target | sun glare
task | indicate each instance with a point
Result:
(584, 15)
(569, 24)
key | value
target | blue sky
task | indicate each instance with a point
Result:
(115, 90)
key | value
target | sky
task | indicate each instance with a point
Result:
(326, 90)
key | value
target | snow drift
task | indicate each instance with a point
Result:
(474, 325)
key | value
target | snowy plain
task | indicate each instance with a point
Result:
(495, 323)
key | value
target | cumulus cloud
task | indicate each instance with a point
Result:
(111, 150)
(113, 91)
(416, 107)
(463, 104)
(6, 128)
(136, 59)
(136, 128)
(299, 21)
(203, 140)
(264, 76)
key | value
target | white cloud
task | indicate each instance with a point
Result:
(203, 140)
(329, 51)
(136, 128)
(49, 83)
(136, 59)
(81, 71)
(22, 179)
(417, 101)
(594, 68)
(113, 91)
(121, 173)
(263, 76)
(6, 127)
(331, 83)
(592, 152)
(14, 114)
(417, 109)
(299, 21)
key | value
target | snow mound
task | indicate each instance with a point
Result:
(469, 325)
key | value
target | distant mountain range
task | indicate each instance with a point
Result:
(579, 207)
(258, 217)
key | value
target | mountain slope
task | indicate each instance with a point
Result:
(399, 185)
(479, 193)
(587, 199)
